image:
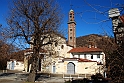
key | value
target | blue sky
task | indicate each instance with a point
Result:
(89, 15)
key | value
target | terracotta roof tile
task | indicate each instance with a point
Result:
(71, 59)
(85, 60)
(84, 49)
(78, 59)
(122, 18)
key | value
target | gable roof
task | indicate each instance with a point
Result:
(84, 49)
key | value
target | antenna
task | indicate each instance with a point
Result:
(71, 4)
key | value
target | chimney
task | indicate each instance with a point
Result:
(95, 46)
(89, 46)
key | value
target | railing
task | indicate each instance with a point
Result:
(4, 71)
(69, 76)
(77, 76)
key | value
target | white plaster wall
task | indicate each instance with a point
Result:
(80, 67)
(9, 65)
(86, 67)
(64, 52)
(19, 67)
(60, 68)
(88, 56)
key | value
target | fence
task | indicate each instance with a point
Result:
(77, 76)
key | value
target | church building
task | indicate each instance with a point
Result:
(73, 60)
(77, 60)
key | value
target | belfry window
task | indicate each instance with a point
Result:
(71, 15)
(70, 38)
(70, 29)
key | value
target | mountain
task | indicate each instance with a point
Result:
(106, 43)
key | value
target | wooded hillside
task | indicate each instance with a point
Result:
(103, 42)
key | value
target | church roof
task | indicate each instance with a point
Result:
(84, 49)
(122, 18)
(85, 60)
(78, 59)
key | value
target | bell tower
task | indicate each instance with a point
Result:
(71, 29)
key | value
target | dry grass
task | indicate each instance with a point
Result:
(4, 80)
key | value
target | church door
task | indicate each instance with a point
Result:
(70, 68)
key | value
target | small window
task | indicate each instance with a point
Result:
(70, 38)
(70, 13)
(91, 56)
(17, 63)
(54, 62)
(70, 29)
(85, 56)
(78, 55)
(98, 56)
(62, 46)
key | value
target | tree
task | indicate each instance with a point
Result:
(5, 52)
(34, 22)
